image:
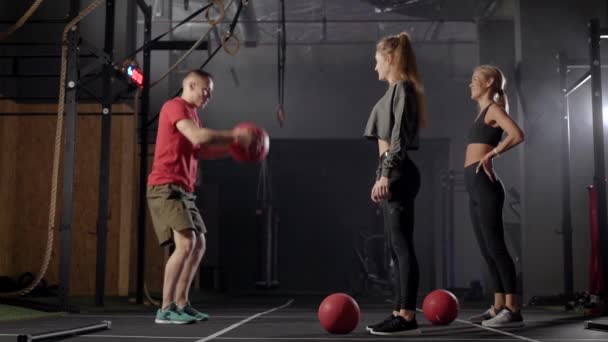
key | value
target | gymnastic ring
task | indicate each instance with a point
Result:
(220, 5)
(226, 37)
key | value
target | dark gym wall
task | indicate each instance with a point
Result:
(546, 27)
(329, 93)
(91, 29)
(321, 193)
(330, 90)
(330, 97)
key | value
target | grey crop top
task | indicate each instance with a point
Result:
(395, 119)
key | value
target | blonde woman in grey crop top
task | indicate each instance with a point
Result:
(394, 124)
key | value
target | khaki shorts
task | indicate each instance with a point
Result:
(172, 208)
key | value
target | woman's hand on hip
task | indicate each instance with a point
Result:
(486, 164)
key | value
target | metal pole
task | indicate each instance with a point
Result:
(444, 229)
(450, 234)
(57, 334)
(104, 160)
(566, 209)
(579, 83)
(143, 154)
(599, 178)
(71, 107)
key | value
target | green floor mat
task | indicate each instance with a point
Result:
(15, 313)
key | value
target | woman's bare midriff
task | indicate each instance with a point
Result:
(475, 152)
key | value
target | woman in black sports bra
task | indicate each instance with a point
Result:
(486, 192)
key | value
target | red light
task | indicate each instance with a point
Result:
(137, 77)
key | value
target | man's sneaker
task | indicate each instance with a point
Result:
(199, 316)
(505, 318)
(378, 325)
(488, 314)
(397, 326)
(172, 315)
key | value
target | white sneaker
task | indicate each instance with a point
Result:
(486, 315)
(505, 318)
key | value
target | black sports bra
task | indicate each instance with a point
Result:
(480, 133)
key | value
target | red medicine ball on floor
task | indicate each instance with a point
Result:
(339, 313)
(440, 307)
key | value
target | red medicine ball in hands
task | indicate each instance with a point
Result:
(257, 150)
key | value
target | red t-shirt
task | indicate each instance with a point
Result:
(175, 157)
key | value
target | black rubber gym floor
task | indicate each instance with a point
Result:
(284, 319)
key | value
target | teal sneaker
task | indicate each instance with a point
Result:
(173, 316)
(199, 316)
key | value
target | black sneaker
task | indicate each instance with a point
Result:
(398, 326)
(378, 325)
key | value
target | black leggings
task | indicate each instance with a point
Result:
(399, 230)
(486, 199)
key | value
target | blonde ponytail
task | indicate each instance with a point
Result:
(498, 86)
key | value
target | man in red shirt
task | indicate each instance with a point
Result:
(180, 141)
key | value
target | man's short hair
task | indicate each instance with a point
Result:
(199, 73)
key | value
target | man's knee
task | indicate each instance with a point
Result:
(185, 241)
(199, 246)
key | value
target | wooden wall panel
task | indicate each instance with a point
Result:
(155, 256)
(25, 177)
(128, 203)
(35, 155)
(8, 174)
